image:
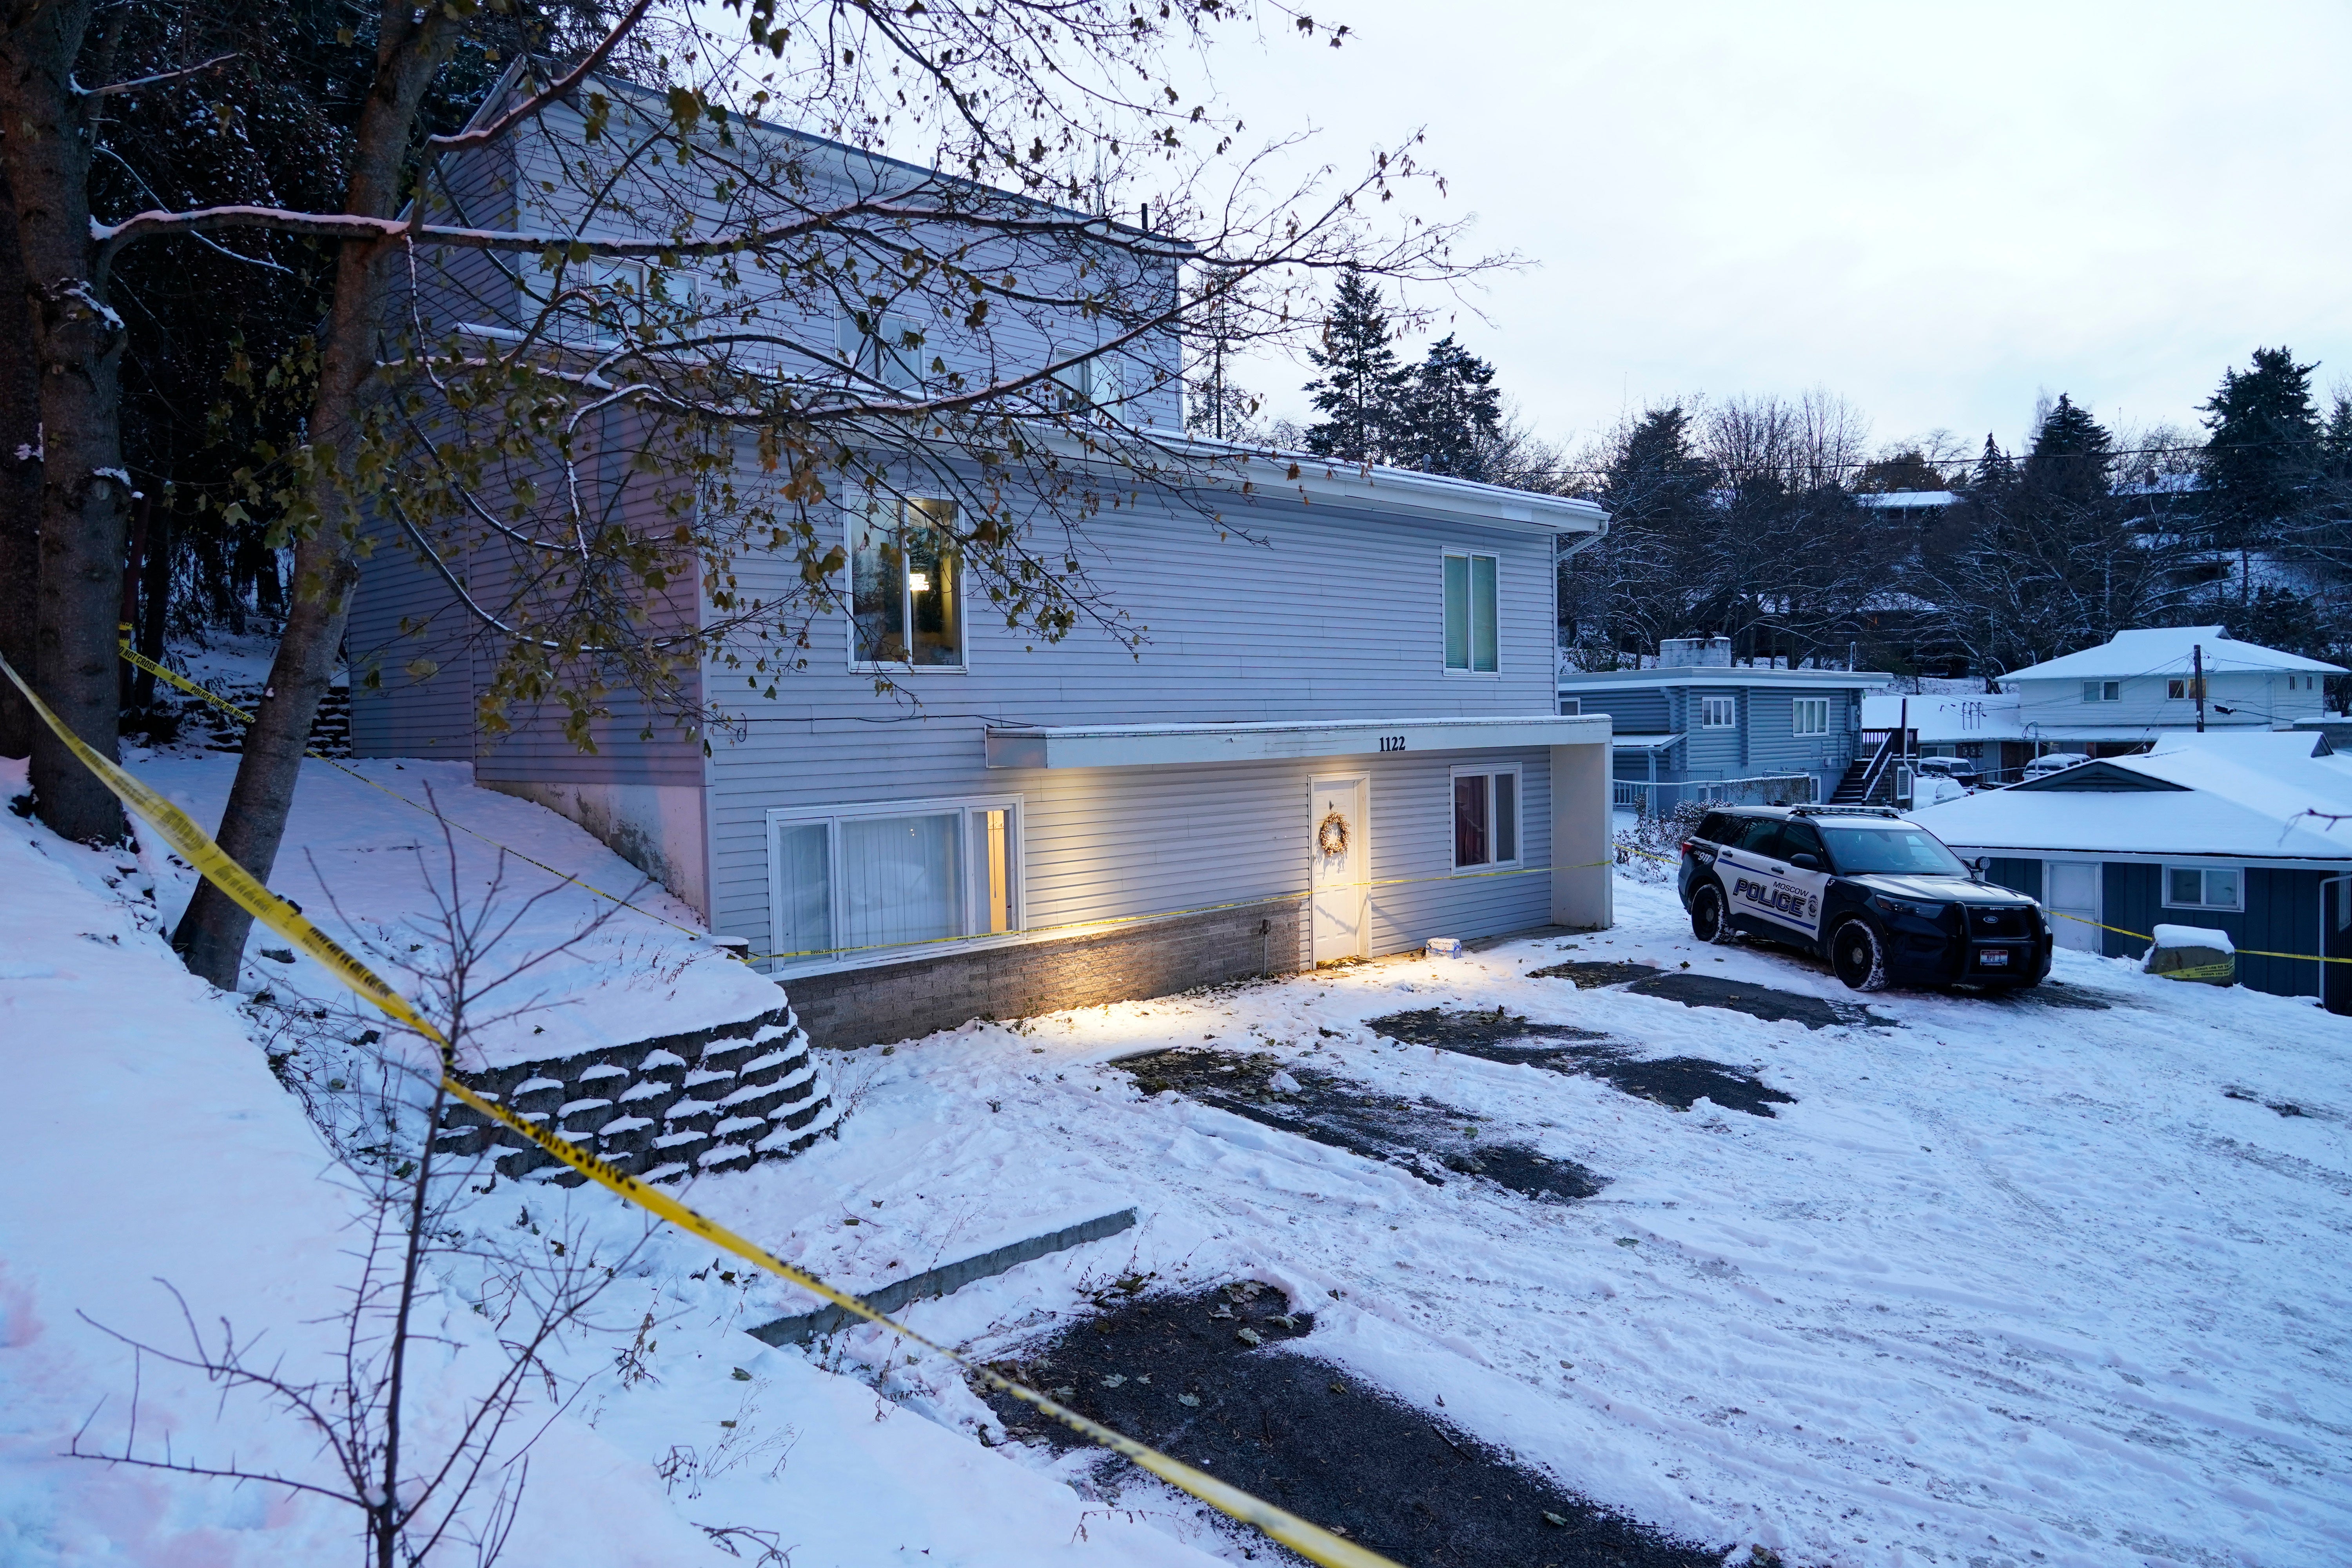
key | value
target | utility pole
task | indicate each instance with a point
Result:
(2197, 681)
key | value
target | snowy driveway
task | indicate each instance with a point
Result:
(2009, 1282)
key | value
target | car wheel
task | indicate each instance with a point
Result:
(1710, 919)
(1857, 956)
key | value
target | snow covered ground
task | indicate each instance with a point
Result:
(2010, 1283)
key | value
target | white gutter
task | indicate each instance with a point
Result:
(1148, 745)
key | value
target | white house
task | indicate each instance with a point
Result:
(2139, 685)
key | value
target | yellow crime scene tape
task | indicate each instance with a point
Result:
(2212, 968)
(196, 847)
(141, 661)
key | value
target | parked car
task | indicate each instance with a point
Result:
(1961, 771)
(2054, 762)
(1876, 895)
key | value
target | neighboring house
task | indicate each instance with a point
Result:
(1338, 741)
(1982, 726)
(1697, 727)
(2140, 685)
(2207, 830)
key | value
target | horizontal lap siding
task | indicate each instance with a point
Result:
(1633, 713)
(1718, 753)
(396, 711)
(1337, 617)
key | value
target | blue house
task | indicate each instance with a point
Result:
(1698, 728)
(1337, 738)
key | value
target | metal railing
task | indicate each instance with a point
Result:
(1647, 799)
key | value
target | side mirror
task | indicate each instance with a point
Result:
(1981, 867)
(1804, 862)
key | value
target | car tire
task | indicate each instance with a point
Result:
(1710, 916)
(1857, 956)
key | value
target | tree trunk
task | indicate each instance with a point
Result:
(78, 344)
(211, 935)
(20, 482)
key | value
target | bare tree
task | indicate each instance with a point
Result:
(423, 1488)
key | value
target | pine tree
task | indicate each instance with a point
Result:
(2265, 451)
(1452, 414)
(1361, 392)
(2072, 455)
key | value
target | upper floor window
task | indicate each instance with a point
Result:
(884, 347)
(906, 586)
(1719, 712)
(1471, 643)
(2103, 692)
(1809, 716)
(2180, 691)
(1485, 818)
(2204, 888)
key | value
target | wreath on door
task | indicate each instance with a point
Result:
(1331, 835)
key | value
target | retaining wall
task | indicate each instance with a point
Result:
(720, 1098)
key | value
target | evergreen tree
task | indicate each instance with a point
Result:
(1453, 414)
(1361, 392)
(2072, 455)
(2265, 451)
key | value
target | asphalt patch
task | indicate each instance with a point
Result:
(2051, 993)
(1431, 1140)
(1707, 991)
(1500, 1037)
(1198, 1376)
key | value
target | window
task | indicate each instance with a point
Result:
(1571, 707)
(1719, 712)
(887, 348)
(1486, 819)
(2103, 692)
(1809, 716)
(1470, 641)
(2180, 691)
(906, 586)
(2204, 888)
(852, 880)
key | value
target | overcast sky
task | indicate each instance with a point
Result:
(1939, 213)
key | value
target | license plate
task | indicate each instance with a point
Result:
(1994, 958)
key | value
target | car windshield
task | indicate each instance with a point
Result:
(1858, 851)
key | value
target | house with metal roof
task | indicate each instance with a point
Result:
(2239, 830)
(2140, 685)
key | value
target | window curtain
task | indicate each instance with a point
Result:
(898, 881)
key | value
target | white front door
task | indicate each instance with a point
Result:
(1339, 852)
(2072, 887)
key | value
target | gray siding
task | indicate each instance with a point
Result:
(397, 712)
(2019, 876)
(1633, 712)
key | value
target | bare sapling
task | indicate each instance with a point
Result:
(430, 1480)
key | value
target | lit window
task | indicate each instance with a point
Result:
(851, 881)
(1811, 716)
(1470, 638)
(1719, 712)
(2103, 692)
(906, 586)
(2181, 691)
(2204, 888)
(1486, 819)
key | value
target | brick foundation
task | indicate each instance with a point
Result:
(717, 1099)
(901, 1001)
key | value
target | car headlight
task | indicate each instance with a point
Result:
(1931, 913)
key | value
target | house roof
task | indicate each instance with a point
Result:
(2168, 650)
(1584, 681)
(1144, 745)
(2254, 794)
(1907, 501)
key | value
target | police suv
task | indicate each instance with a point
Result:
(1881, 899)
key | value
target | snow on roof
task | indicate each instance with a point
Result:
(2245, 797)
(2168, 650)
(1944, 717)
(1907, 501)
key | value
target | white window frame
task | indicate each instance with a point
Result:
(2103, 692)
(1571, 707)
(1469, 668)
(1518, 815)
(852, 518)
(2202, 889)
(1707, 710)
(881, 354)
(973, 810)
(1797, 706)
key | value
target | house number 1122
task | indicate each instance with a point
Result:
(1392, 742)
